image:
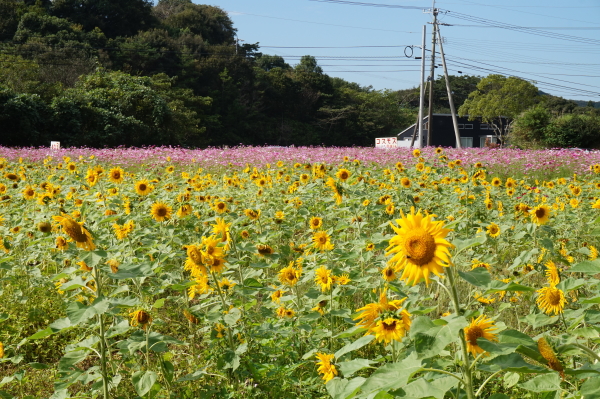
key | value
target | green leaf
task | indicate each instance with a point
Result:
(511, 362)
(340, 388)
(359, 343)
(231, 360)
(499, 396)
(352, 366)
(511, 379)
(196, 375)
(587, 266)
(590, 389)
(549, 382)
(159, 303)
(42, 334)
(132, 271)
(5, 395)
(540, 319)
(430, 339)
(497, 286)
(143, 381)
(232, 316)
(461, 245)
(70, 359)
(392, 375)
(422, 388)
(252, 283)
(478, 277)
(39, 366)
(350, 332)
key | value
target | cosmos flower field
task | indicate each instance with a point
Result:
(299, 272)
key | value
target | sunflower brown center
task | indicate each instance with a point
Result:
(322, 239)
(162, 211)
(540, 213)
(389, 326)
(142, 187)
(474, 333)
(73, 229)
(553, 297)
(420, 247)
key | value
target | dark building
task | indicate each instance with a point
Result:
(472, 133)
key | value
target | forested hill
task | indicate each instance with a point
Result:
(124, 72)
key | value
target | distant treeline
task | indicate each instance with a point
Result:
(125, 72)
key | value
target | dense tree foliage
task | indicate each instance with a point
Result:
(127, 72)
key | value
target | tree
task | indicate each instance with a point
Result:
(210, 22)
(113, 17)
(529, 129)
(498, 100)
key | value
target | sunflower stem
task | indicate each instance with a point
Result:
(588, 351)
(486, 381)
(468, 380)
(103, 357)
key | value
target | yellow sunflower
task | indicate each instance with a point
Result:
(540, 214)
(82, 237)
(481, 327)
(141, 318)
(551, 300)
(264, 250)
(552, 273)
(493, 230)
(29, 193)
(289, 275)
(419, 247)
(116, 175)
(161, 212)
(322, 241)
(323, 278)
(343, 174)
(143, 187)
(391, 329)
(547, 353)
(326, 367)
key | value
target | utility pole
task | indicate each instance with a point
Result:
(421, 96)
(434, 11)
(448, 89)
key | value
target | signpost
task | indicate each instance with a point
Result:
(386, 142)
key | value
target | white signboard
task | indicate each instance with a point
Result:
(55, 145)
(386, 142)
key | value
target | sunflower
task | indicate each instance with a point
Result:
(551, 300)
(481, 327)
(405, 182)
(29, 193)
(116, 175)
(391, 328)
(325, 366)
(12, 176)
(170, 169)
(370, 246)
(282, 312)
(220, 207)
(217, 265)
(322, 241)
(547, 353)
(389, 273)
(371, 311)
(389, 209)
(184, 210)
(320, 307)
(323, 278)
(225, 284)
(264, 250)
(191, 318)
(200, 287)
(343, 174)
(493, 230)
(276, 296)
(552, 273)
(61, 243)
(161, 212)
(540, 214)
(44, 227)
(140, 317)
(252, 214)
(419, 247)
(82, 237)
(289, 275)
(416, 153)
(143, 187)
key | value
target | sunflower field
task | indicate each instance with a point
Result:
(299, 273)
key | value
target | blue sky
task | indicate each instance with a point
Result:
(554, 43)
